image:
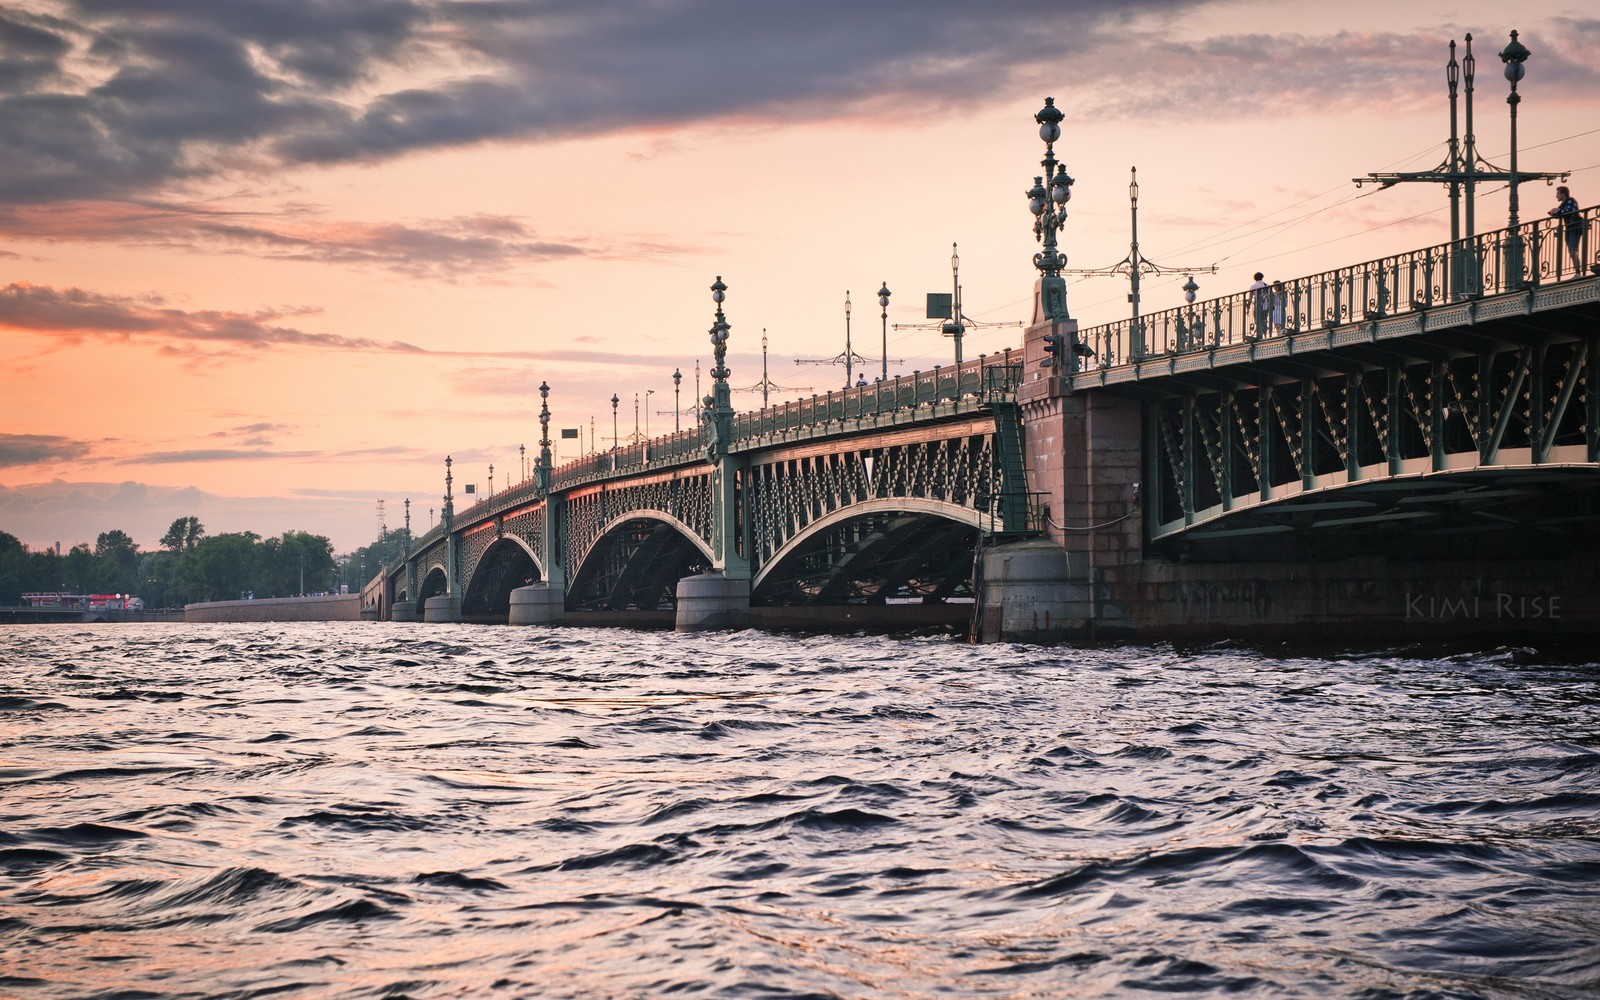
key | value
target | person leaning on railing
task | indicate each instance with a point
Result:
(1571, 223)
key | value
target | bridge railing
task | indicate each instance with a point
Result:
(970, 380)
(1493, 263)
(987, 378)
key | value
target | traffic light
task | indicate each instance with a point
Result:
(1054, 348)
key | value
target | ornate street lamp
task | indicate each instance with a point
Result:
(1514, 55)
(544, 438)
(677, 406)
(614, 436)
(849, 352)
(719, 402)
(1047, 200)
(883, 300)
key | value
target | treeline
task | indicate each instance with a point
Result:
(190, 566)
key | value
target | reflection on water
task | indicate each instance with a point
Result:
(428, 811)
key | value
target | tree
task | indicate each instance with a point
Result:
(184, 534)
(298, 561)
(13, 568)
(78, 570)
(224, 567)
(118, 572)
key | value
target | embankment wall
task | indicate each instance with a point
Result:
(329, 608)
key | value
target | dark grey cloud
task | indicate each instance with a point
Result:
(76, 314)
(120, 99)
(32, 449)
(214, 455)
(114, 99)
(30, 55)
(433, 248)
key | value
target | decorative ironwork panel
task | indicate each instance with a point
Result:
(787, 495)
(525, 523)
(685, 498)
(1516, 405)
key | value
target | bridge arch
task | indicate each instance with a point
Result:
(506, 564)
(636, 562)
(434, 584)
(895, 549)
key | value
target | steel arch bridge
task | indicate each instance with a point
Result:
(864, 496)
(1423, 410)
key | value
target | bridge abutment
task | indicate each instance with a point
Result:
(711, 601)
(444, 608)
(403, 611)
(539, 604)
(1085, 460)
(1034, 591)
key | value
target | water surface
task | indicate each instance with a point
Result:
(379, 810)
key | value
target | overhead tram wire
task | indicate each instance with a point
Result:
(1216, 238)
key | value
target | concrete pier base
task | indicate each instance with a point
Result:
(538, 604)
(712, 601)
(403, 611)
(443, 608)
(1032, 591)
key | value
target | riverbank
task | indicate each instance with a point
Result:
(320, 608)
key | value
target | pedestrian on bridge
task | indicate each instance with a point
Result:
(1279, 304)
(1572, 223)
(1261, 301)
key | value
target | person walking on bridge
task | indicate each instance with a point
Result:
(1261, 303)
(1572, 225)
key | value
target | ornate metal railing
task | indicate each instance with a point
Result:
(984, 379)
(1492, 263)
(969, 380)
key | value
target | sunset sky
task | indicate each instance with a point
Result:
(268, 262)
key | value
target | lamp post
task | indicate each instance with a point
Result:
(765, 382)
(544, 460)
(677, 407)
(647, 394)
(636, 438)
(719, 402)
(614, 436)
(849, 352)
(1047, 200)
(953, 327)
(1514, 55)
(883, 300)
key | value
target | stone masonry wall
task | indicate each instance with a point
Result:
(331, 608)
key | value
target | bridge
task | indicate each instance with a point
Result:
(1406, 446)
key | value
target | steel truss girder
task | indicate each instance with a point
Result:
(685, 497)
(1214, 453)
(787, 494)
(635, 566)
(495, 571)
(876, 558)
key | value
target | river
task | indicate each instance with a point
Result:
(381, 810)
